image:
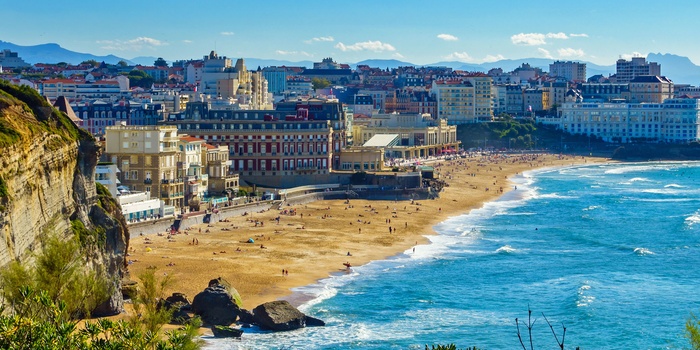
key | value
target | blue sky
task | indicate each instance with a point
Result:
(420, 32)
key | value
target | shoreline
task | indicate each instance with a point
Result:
(321, 241)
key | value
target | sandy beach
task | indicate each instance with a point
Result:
(312, 241)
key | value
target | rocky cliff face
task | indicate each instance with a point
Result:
(47, 168)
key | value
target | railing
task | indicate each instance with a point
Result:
(172, 181)
(147, 181)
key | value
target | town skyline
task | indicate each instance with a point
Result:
(406, 31)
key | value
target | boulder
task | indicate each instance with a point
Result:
(177, 298)
(129, 289)
(278, 315)
(246, 317)
(314, 322)
(226, 332)
(180, 316)
(216, 304)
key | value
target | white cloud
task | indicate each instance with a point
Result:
(529, 39)
(544, 52)
(492, 58)
(187, 41)
(628, 56)
(291, 53)
(535, 39)
(459, 56)
(447, 37)
(320, 39)
(227, 33)
(135, 44)
(582, 35)
(559, 35)
(569, 52)
(397, 55)
(376, 46)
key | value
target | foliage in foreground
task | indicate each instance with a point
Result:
(692, 331)
(448, 347)
(58, 272)
(25, 329)
(44, 302)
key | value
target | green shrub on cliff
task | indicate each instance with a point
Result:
(58, 272)
(37, 116)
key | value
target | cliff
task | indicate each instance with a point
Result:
(47, 186)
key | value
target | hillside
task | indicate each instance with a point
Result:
(47, 187)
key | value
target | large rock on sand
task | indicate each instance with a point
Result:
(278, 316)
(218, 304)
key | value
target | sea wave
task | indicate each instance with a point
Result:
(555, 196)
(643, 251)
(674, 186)
(582, 298)
(592, 207)
(506, 249)
(693, 219)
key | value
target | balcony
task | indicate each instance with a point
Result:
(172, 181)
(147, 181)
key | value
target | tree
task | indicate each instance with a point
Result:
(90, 62)
(318, 83)
(160, 62)
(140, 78)
(122, 63)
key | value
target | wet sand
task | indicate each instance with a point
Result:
(312, 241)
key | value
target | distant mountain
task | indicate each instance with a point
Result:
(677, 68)
(53, 53)
(680, 69)
(383, 64)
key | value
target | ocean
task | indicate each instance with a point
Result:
(609, 251)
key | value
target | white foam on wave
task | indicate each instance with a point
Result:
(693, 219)
(555, 196)
(643, 251)
(582, 297)
(674, 186)
(623, 169)
(662, 200)
(592, 207)
(506, 249)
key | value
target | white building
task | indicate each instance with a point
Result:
(106, 174)
(138, 206)
(673, 121)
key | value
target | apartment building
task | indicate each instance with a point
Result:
(81, 89)
(409, 101)
(672, 121)
(571, 71)
(455, 101)
(190, 168)
(148, 159)
(626, 71)
(648, 88)
(292, 145)
(464, 99)
(217, 163)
